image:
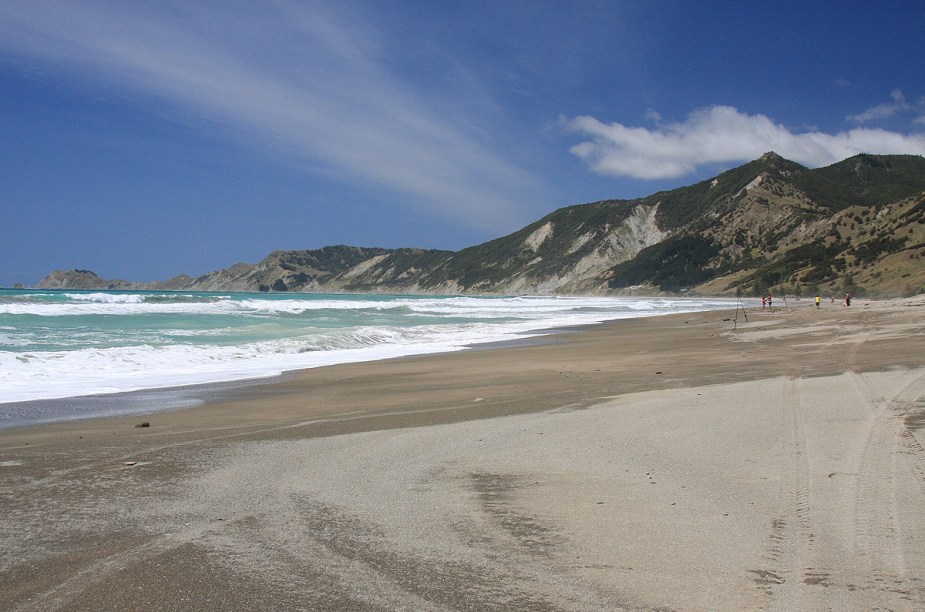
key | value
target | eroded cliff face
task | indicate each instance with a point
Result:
(601, 251)
(623, 243)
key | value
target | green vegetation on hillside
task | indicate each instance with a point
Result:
(687, 205)
(864, 180)
(671, 265)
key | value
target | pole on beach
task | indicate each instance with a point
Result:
(739, 304)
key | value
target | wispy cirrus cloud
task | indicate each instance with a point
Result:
(301, 78)
(717, 135)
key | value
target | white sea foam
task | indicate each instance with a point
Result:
(135, 304)
(153, 340)
(108, 298)
(57, 374)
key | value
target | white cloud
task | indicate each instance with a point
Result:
(883, 111)
(305, 79)
(717, 135)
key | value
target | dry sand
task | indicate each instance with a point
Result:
(667, 463)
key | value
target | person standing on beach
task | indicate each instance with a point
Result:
(818, 300)
(764, 302)
(848, 299)
(769, 302)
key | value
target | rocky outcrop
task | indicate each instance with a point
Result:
(84, 279)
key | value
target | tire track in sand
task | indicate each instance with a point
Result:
(795, 573)
(871, 401)
(789, 575)
(891, 458)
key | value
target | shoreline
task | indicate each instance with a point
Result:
(661, 462)
(170, 398)
(208, 395)
(151, 346)
(129, 403)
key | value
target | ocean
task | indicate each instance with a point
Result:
(57, 345)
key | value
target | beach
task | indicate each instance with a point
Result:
(692, 461)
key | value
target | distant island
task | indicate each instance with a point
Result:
(770, 225)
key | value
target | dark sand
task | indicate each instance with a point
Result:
(671, 462)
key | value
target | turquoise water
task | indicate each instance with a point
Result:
(61, 344)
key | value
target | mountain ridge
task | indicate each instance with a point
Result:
(767, 225)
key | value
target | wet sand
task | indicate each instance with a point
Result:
(672, 462)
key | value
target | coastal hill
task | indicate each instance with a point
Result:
(768, 225)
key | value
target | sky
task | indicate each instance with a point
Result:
(143, 140)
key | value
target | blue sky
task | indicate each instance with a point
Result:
(142, 140)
